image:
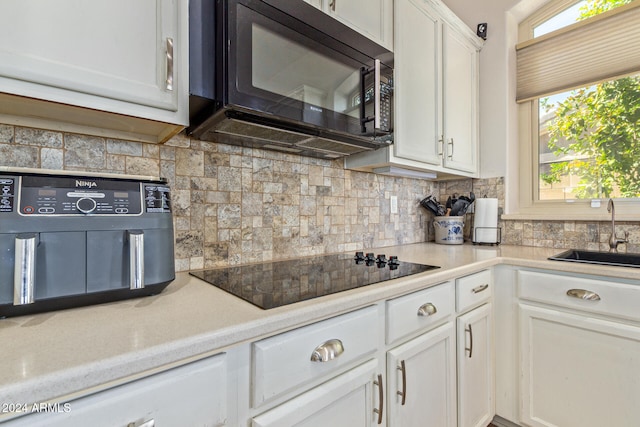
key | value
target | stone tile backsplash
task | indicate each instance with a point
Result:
(587, 235)
(235, 205)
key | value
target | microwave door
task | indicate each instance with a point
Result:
(287, 72)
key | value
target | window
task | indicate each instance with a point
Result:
(578, 86)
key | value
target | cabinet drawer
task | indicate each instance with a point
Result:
(419, 311)
(193, 394)
(615, 299)
(284, 362)
(473, 290)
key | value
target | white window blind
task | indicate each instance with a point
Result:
(600, 48)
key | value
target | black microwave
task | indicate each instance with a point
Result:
(283, 75)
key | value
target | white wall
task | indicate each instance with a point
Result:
(494, 79)
(498, 110)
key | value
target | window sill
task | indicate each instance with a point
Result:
(569, 216)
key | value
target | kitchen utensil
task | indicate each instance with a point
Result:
(430, 203)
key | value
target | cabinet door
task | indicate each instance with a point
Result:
(348, 400)
(475, 368)
(578, 371)
(460, 101)
(424, 395)
(315, 3)
(417, 75)
(190, 395)
(113, 49)
(372, 18)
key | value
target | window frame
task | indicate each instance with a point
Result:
(529, 206)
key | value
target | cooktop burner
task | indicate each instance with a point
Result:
(279, 283)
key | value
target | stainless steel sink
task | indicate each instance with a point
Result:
(603, 258)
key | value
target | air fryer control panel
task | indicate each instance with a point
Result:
(53, 196)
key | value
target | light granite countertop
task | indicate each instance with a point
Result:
(56, 355)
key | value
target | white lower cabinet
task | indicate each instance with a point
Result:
(578, 371)
(422, 380)
(475, 368)
(326, 373)
(475, 349)
(352, 399)
(579, 350)
(191, 395)
(298, 359)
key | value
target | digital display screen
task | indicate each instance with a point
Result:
(120, 195)
(46, 192)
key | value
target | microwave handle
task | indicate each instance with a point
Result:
(363, 119)
(376, 119)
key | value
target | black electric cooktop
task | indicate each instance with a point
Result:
(274, 284)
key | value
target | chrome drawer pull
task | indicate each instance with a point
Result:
(583, 294)
(427, 309)
(403, 393)
(150, 423)
(381, 399)
(327, 351)
(480, 288)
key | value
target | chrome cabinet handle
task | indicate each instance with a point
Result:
(441, 145)
(136, 259)
(327, 351)
(470, 348)
(380, 398)
(403, 393)
(332, 5)
(24, 269)
(480, 288)
(150, 423)
(427, 309)
(450, 143)
(169, 81)
(583, 294)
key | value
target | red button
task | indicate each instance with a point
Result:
(28, 209)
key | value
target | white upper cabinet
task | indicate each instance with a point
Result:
(436, 70)
(417, 73)
(459, 101)
(435, 91)
(115, 56)
(372, 18)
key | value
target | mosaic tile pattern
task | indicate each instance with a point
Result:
(235, 205)
(587, 235)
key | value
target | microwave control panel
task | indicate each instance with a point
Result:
(36, 195)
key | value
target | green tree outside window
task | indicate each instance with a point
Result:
(596, 132)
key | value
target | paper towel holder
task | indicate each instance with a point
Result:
(498, 231)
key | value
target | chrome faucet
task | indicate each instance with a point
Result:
(614, 241)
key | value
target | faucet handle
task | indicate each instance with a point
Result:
(626, 237)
